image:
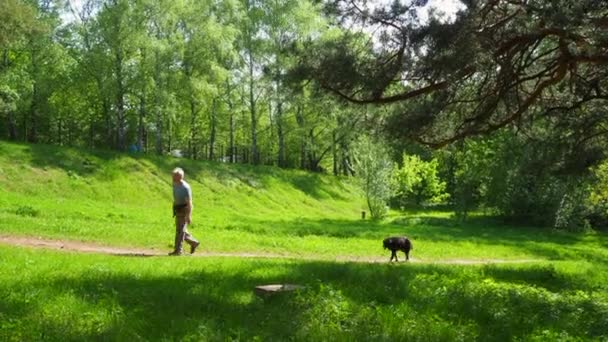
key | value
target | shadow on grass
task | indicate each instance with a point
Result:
(362, 301)
(260, 177)
(71, 160)
(447, 231)
(100, 164)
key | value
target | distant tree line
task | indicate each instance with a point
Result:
(204, 78)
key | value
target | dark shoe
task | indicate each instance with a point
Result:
(193, 247)
(175, 253)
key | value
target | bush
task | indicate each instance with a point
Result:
(596, 203)
(26, 210)
(526, 181)
(418, 182)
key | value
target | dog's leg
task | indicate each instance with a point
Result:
(393, 254)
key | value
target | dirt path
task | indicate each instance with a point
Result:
(87, 247)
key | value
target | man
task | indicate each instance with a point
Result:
(182, 210)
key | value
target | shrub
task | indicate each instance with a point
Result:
(418, 182)
(26, 210)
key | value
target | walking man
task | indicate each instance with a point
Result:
(182, 211)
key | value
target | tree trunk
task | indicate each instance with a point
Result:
(12, 126)
(212, 133)
(334, 152)
(32, 132)
(192, 152)
(91, 139)
(169, 135)
(313, 163)
(25, 130)
(158, 105)
(300, 122)
(232, 148)
(347, 168)
(281, 136)
(159, 130)
(71, 131)
(252, 110)
(10, 115)
(141, 123)
(141, 129)
(232, 129)
(120, 103)
(60, 132)
(110, 141)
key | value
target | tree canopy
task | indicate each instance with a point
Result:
(492, 64)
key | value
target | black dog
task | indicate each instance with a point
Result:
(398, 243)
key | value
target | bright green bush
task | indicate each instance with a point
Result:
(417, 182)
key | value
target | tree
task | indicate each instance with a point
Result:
(17, 20)
(494, 64)
(373, 170)
(19, 27)
(418, 181)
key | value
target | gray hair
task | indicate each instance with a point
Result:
(179, 171)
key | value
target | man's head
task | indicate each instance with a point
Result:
(178, 174)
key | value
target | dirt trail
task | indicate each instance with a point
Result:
(87, 247)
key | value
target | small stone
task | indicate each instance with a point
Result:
(266, 290)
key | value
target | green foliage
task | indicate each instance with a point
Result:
(17, 21)
(8, 99)
(446, 77)
(597, 202)
(373, 169)
(204, 78)
(521, 180)
(418, 182)
(469, 174)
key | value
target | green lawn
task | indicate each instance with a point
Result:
(119, 200)
(48, 295)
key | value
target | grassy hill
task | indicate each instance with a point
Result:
(123, 199)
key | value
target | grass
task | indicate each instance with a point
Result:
(120, 200)
(48, 295)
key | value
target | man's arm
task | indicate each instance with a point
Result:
(189, 205)
(189, 210)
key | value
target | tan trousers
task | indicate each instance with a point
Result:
(182, 234)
